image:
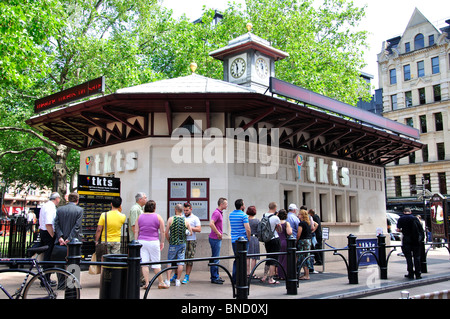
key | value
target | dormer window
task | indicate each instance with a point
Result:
(431, 40)
(407, 47)
(419, 42)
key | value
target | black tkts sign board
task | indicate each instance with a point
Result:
(98, 185)
(96, 193)
(86, 89)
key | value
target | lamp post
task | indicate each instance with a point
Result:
(2, 187)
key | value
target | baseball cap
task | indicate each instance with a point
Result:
(293, 207)
(54, 195)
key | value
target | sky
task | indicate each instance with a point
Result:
(384, 19)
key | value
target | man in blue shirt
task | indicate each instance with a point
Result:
(293, 219)
(239, 228)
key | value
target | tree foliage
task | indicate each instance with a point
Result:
(47, 46)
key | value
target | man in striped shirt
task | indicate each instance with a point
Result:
(239, 228)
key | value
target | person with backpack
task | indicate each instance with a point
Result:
(268, 233)
(413, 236)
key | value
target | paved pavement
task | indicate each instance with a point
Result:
(329, 284)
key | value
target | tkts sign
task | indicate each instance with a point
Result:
(75, 93)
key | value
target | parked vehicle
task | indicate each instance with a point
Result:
(392, 219)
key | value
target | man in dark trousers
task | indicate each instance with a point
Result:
(412, 232)
(47, 224)
(68, 223)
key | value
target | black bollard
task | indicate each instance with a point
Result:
(74, 253)
(241, 269)
(352, 260)
(291, 276)
(382, 260)
(73, 263)
(134, 269)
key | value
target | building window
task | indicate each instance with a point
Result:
(393, 76)
(435, 65)
(408, 99)
(353, 205)
(438, 122)
(339, 208)
(406, 72)
(394, 102)
(426, 181)
(422, 98)
(431, 40)
(409, 121)
(442, 183)
(412, 158)
(440, 151)
(407, 47)
(437, 92)
(412, 185)
(398, 186)
(420, 69)
(191, 190)
(419, 42)
(423, 123)
(425, 153)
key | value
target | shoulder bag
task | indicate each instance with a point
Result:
(100, 249)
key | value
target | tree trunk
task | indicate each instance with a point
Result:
(60, 172)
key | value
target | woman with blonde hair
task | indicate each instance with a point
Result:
(304, 242)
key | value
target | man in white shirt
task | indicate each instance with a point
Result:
(191, 240)
(47, 216)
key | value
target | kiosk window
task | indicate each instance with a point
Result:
(192, 190)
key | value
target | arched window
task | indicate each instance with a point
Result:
(419, 42)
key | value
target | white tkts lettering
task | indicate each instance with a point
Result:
(326, 173)
(108, 163)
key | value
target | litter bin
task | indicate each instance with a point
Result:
(113, 281)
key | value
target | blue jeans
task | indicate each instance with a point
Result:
(235, 251)
(176, 252)
(215, 244)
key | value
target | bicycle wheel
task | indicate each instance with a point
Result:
(64, 285)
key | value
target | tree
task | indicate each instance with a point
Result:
(325, 53)
(47, 46)
(66, 43)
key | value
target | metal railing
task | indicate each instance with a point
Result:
(241, 283)
(15, 236)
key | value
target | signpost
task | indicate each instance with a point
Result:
(367, 245)
(439, 217)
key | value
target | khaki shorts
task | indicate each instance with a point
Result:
(190, 250)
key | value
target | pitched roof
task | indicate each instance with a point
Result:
(188, 84)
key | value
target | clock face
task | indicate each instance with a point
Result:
(262, 69)
(237, 68)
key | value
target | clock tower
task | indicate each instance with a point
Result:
(249, 61)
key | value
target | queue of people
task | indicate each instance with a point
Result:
(148, 227)
(304, 225)
(60, 225)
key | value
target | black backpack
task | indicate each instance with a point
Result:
(264, 230)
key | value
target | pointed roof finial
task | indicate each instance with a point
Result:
(249, 27)
(193, 67)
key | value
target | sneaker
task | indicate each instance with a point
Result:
(186, 279)
(177, 283)
(167, 282)
(173, 278)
